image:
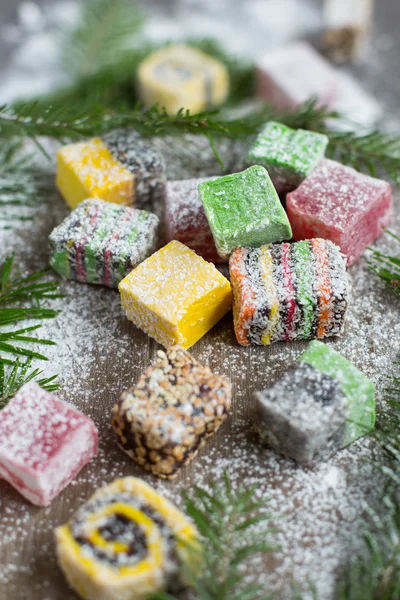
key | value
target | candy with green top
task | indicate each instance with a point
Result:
(359, 391)
(244, 210)
(288, 155)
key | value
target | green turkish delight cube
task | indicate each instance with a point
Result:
(288, 155)
(358, 389)
(244, 210)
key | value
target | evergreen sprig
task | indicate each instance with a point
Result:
(386, 266)
(17, 376)
(233, 528)
(104, 34)
(15, 290)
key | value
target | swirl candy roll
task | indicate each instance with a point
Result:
(179, 76)
(126, 543)
(285, 292)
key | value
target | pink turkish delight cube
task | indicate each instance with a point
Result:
(44, 443)
(293, 74)
(186, 219)
(339, 204)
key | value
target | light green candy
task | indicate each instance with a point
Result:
(288, 155)
(359, 391)
(244, 210)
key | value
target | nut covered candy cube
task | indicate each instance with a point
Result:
(303, 415)
(244, 209)
(175, 296)
(358, 389)
(176, 404)
(186, 219)
(101, 242)
(288, 155)
(295, 73)
(44, 443)
(127, 542)
(286, 292)
(179, 76)
(339, 204)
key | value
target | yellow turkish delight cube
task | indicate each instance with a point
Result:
(175, 296)
(180, 76)
(89, 170)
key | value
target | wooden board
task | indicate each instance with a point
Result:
(99, 354)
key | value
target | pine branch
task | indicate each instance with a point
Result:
(103, 36)
(387, 267)
(15, 290)
(12, 379)
(233, 529)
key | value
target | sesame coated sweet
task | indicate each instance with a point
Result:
(175, 406)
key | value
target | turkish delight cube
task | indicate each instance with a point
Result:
(177, 403)
(127, 542)
(288, 155)
(303, 415)
(44, 443)
(180, 76)
(175, 296)
(244, 209)
(358, 389)
(339, 204)
(286, 292)
(88, 170)
(101, 242)
(139, 156)
(186, 219)
(295, 73)
(121, 167)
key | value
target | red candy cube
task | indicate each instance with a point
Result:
(339, 204)
(44, 443)
(186, 219)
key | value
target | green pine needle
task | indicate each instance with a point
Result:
(11, 380)
(103, 36)
(233, 528)
(15, 290)
(387, 267)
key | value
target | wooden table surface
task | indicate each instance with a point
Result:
(99, 354)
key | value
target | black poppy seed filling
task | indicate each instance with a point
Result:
(276, 254)
(340, 292)
(262, 313)
(118, 528)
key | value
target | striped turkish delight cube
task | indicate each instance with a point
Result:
(286, 292)
(101, 242)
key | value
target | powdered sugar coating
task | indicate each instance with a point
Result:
(288, 76)
(186, 219)
(101, 242)
(288, 155)
(175, 296)
(244, 209)
(287, 292)
(342, 205)
(303, 415)
(142, 159)
(177, 403)
(44, 442)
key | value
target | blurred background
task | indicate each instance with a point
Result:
(31, 37)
